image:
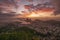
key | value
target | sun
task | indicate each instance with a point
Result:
(33, 15)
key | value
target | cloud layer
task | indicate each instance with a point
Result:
(56, 3)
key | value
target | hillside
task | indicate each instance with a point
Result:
(36, 30)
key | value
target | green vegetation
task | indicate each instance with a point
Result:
(22, 33)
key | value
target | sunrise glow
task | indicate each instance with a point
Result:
(41, 13)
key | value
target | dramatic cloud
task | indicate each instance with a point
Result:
(56, 3)
(40, 7)
(7, 8)
(10, 5)
(29, 0)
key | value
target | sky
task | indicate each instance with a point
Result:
(19, 4)
(8, 6)
(12, 5)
